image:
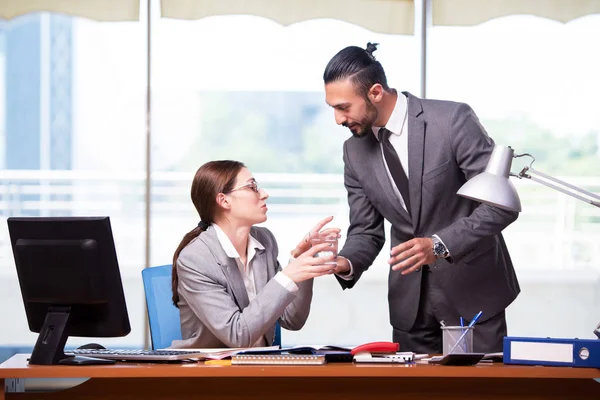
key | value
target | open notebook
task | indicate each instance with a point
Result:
(221, 353)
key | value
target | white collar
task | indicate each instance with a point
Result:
(396, 122)
(228, 247)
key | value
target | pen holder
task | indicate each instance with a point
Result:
(457, 339)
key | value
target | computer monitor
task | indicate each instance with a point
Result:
(70, 282)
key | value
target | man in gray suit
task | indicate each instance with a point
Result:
(404, 163)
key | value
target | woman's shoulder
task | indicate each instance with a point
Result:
(195, 250)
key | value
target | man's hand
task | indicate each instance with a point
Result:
(411, 255)
(342, 267)
(316, 231)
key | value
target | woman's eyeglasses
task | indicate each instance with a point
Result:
(252, 185)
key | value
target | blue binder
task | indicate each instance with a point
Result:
(553, 352)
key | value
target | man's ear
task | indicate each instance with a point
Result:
(375, 93)
(223, 201)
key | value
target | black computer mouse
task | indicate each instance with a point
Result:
(92, 346)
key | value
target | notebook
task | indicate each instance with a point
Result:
(331, 353)
(277, 359)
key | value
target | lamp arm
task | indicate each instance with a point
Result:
(559, 185)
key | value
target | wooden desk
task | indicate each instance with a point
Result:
(332, 381)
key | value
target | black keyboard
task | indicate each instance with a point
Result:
(138, 355)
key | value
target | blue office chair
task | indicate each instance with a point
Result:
(163, 316)
(277, 336)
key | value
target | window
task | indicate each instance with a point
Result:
(72, 135)
(534, 82)
(72, 117)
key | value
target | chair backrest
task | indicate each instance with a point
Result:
(277, 337)
(163, 316)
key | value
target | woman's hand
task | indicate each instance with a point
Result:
(315, 232)
(307, 266)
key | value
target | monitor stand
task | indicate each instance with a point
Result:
(50, 345)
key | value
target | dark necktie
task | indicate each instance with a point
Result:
(395, 167)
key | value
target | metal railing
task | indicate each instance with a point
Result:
(552, 227)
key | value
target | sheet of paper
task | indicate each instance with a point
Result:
(223, 352)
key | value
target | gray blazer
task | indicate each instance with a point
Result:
(447, 145)
(214, 306)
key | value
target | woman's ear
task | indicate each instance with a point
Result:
(223, 201)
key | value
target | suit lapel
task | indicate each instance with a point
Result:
(416, 156)
(259, 268)
(230, 268)
(234, 277)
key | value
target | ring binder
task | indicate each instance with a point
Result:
(552, 351)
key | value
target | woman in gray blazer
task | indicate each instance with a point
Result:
(227, 283)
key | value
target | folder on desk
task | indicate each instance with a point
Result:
(552, 351)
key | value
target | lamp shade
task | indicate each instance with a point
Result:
(493, 186)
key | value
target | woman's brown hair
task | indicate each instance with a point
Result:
(212, 178)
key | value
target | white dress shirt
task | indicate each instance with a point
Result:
(247, 271)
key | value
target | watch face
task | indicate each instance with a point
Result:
(439, 249)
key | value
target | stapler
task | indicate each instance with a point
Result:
(376, 347)
(380, 352)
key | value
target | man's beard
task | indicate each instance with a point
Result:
(366, 123)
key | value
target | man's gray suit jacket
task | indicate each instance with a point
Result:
(447, 145)
(214, 306)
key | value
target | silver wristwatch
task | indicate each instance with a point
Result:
(439, 249)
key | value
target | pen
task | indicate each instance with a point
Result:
(475, 318)
(471, 324)
(462, 325)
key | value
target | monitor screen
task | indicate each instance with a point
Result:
(70, 281)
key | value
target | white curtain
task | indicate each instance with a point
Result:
(473, 12)
(384, 16)
(100, 10)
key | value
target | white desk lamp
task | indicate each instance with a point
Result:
(493, 186)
